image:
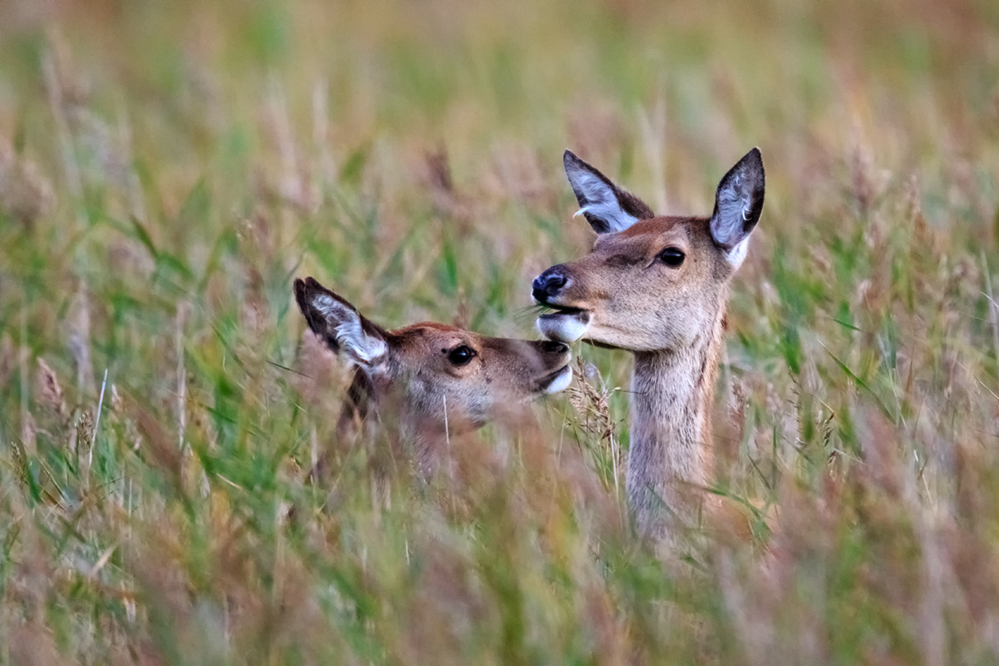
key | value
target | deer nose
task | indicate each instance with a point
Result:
(547, 285)
(553, 347)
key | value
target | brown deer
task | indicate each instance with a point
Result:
(443, 379)
(657, 287)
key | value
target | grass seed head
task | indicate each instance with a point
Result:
(49, 392)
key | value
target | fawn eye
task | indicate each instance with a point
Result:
(672, 256)
(461, 355)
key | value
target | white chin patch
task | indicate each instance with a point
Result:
(561, 382)
(565, 328)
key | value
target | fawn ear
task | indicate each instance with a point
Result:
(606, 207)
(738, 205)
(340, 325)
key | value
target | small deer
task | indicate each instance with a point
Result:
(657, 287)
(443, 379)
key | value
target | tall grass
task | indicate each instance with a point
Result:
(165, 171)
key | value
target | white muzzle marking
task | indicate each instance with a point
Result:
(561, 382)
(565, 328)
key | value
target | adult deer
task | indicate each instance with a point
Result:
(657, 287)
(442, 379)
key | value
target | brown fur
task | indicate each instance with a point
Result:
(624, 295)
(673, 322)
(432, 397)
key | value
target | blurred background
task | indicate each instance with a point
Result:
(167, 169)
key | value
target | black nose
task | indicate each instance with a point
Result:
(547, 285)
(553, 347)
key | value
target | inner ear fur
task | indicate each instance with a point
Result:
(607, 207)
(325, 324)
(739, 201)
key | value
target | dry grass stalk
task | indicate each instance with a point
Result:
(8, 358)
(49, 392)
(25, 194)
(164, 453)
(19, 451)
(78, 326)
(84, 434)
(592, 404)
(62, 94)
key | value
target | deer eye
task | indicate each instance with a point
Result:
(461, 355)
(672, 256)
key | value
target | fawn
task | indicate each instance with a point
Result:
(443, 379)
(657, 287)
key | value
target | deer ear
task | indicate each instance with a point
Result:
(340, 325)
(606, 207)
(738, 205)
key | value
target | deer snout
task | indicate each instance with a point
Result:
(548, 284)
(554, 358)
(553, 347)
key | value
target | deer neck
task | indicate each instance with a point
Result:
(363, 408)
(671, 457)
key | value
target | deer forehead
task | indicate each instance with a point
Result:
(655, 233)
(433, 337)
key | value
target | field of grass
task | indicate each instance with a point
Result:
(167, 169)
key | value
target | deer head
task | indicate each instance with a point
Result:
(657, 286)
(650, 283)
(441, 376)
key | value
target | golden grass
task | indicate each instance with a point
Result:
(165, 171)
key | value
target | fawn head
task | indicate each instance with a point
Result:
(649, 283)
(440, 375)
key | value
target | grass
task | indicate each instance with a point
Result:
(165, 172)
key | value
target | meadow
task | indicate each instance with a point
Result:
(168, 169)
